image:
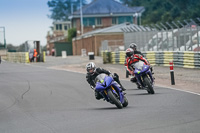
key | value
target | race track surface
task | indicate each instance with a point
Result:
(36, 99)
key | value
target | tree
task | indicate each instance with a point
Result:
(61, 9)
(11, 48)
(71, 34)
(166, 10)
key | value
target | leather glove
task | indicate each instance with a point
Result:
(92, 87)
(131, 72)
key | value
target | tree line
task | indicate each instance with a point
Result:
(155, 10)
(166, 10)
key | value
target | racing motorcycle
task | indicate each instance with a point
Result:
(110, 90)
(144, 76)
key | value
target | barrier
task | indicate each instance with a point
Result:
(44, 56)
(21, 57)
(122, 55)
(186, 59)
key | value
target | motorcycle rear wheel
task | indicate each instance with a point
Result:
(114, 99)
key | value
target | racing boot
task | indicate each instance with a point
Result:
(116, 78)
(123, 89)
(151, 69)
(98, 96)
(138, 85)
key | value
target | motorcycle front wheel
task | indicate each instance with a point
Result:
(114, 99)
(125, 104)
(150, 89)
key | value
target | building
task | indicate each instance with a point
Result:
(110, 38)
(105, 13)
(58, 33)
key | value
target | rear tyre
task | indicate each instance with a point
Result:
(150, 87)
(125, 104)
(114, 99)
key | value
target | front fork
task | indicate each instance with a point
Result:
(117, 93)
(139, 79)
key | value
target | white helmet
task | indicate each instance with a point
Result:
(129, 52)
(91, 66)
(133, 46)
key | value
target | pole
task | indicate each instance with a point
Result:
(81, 12)
(190, 34)
(4, 34)
(172, 72)
(198, 31)
(4, 38)
(179, 40)
(156, 36)
(161, 36)
(166, 34)
(184, 34)
(172, 34)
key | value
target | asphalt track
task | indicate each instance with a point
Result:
(36, 99)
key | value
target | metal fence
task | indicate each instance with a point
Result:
(174, 36)
(112, 45)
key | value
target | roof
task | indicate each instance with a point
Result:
(112, 29)
(62, 22)
(109, 7)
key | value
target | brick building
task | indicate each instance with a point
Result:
(58, 33)
(105, 13)
(93, 41)
(102, 20)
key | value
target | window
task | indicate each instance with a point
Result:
(65, 27)
(88, 21)
(123, 19)
(114, 20)
(74, 23)
(58, 26)
(98, 21)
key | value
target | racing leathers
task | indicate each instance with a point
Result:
(91, 77)
(133, 59)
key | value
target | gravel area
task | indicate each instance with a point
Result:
(185, 79)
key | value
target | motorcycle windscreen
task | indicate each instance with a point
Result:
(140, 67)
(108, 81)
(145, 68)
(102, 81)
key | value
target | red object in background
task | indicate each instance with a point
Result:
(171, 64)
(197, 49)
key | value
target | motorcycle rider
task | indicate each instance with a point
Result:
(93, 72)
(133, 58)
(134, 47)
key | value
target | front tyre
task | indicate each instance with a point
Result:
(125, 104)
(114, 99)
(148, 83)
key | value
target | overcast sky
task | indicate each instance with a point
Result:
(25, 20)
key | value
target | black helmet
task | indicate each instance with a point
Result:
(129, 52)
(91, 66)
(133, 46)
